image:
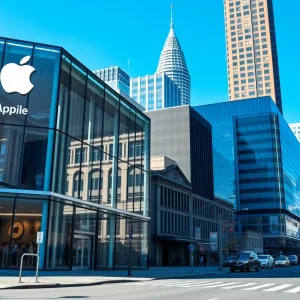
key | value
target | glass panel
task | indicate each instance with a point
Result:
(34, 158)
(64, 95)
(14, 96)
(11, 138)
(6, 230)
(103, 241)
(77, 102)
(59, 237)
(122, 244)
(111, 121)
(27, 222)
(85, 220)
(45, 81)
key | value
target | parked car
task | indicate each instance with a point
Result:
(245, 261)
(266, 261)
(282, 261)
(293, 260)
(228, 261)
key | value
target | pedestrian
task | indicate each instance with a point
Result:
(14, 254)
(204, 261)
(201, 261)
(66, 255)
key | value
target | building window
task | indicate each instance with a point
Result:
(252, 94)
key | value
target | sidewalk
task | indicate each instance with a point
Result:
(52, 279)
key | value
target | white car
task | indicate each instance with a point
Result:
(266, 261)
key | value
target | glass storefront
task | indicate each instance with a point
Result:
(83, 143)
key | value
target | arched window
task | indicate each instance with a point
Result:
(78, 184)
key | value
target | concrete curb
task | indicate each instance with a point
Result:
(65, 285)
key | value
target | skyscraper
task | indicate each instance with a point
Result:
(252, 60)
(116, 78)
(296, 130)
(173, 63)
(155, 91)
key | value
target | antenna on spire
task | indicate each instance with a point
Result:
(171, 15)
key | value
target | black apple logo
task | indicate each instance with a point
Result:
(16, 230)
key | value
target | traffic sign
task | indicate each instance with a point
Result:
(192, 247)
(197, 233)
(40, 237)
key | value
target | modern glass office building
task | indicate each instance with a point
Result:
(116, 78)
(257, 167)
(155, 91)
(74, 164)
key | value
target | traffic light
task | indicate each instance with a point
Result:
(246, 235)
(231, 230)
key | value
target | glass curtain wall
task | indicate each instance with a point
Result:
(101, 155)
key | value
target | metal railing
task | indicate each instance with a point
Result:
(37, 266)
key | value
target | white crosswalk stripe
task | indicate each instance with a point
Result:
(219, 285)
(295, 290)
(238, 286)
(258, 287)
(278, 288)
(208, 284)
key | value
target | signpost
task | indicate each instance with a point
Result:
(192, 249)
(213, 240)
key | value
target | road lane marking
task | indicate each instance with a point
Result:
(191, 284)
(258, 287)
(295, 290)
(219, 285)
(278, 288)
(237, 286)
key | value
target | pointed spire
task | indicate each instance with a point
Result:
(172, 62)
(171, 15)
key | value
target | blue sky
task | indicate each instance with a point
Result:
(101, 33)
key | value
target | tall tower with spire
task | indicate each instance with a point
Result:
(172, 62)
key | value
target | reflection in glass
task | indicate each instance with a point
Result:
(28, 220)
(59, 236)
(10, 155)
(6, 230)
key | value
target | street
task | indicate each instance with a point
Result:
(265, 284)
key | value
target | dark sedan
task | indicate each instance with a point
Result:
(228, 261)
(293, 260)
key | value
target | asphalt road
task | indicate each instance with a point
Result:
(265, 284)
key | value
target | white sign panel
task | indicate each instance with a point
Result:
(40, 237)
(197, 233)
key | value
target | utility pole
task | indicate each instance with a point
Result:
(220, 243)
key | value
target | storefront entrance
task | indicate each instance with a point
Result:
(82, 251)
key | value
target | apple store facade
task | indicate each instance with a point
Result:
(74, 164)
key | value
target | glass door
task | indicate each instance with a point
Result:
(81, 252)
